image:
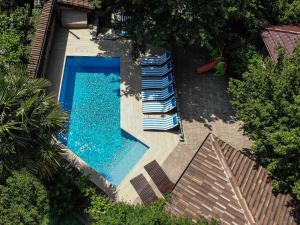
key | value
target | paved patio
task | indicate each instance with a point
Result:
(204, 107)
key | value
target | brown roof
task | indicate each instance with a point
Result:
(284, 35)
(83, 4)
(222, 182)
(38, 45)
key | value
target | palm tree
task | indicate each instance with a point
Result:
(29, 119)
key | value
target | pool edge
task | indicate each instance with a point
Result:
(100, 181)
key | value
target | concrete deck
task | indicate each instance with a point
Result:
(77, 42)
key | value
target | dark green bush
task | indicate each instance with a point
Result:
(23, 200)
(103, 212)
(68, 192)
(239, 59)
(16, 21)
(290, 11)
(267, 100)
(17, 28)
(12, 50)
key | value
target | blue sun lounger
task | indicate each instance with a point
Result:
(164, 124)
(157, 83)
(156, 71)
(159, 106)
(156, 60)
(158, 95)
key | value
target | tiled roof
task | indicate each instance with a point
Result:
(83, 4)
(38, 45)
(222, 182)
(284, 35)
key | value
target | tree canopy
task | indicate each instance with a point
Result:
(267, 100)
(182, 22)
(11, 50)
(23, 200)
(229, 25)
(17, 25)
(104, 212)
(29, 119)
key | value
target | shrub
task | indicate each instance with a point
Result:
(104, 212)
(291, 12)
(7, 5)
(34, 21)
(11, 50)
(23, 200)
(267, 100)
(240, 58)
(67, 193)
(16, 21)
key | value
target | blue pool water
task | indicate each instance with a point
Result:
(90, 92)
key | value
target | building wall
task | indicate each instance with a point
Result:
(73, 18)
(48, 46)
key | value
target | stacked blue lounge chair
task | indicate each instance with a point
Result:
(159, 106)
(157, 83)
(156, 60)
(158, 93)
(166, 123)
(157, 71)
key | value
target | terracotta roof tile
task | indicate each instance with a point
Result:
(284, 35)
(37, 49)
(222, 182)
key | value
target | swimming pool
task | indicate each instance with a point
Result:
(90, 92)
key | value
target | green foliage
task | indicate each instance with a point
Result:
(34, 20)
(245, 20)
(267, 100)
(29, 119)
(240, 57)
(290, 11)
(68, 192)
(7, 4)
(229, 25)
(10, 5)
(17, 22)
(104, 212)
(96, 3)
(11, 50)
(23, 200)
(62, 220)
(17, 27)
(177, 22)
(296, 189)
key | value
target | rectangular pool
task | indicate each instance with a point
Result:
(90, 93)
